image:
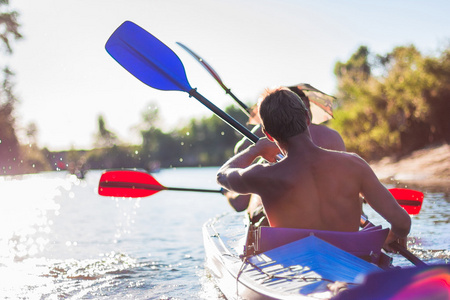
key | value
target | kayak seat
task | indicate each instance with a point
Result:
(366, 243)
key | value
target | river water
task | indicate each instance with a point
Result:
(60, 239)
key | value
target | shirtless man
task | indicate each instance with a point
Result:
(311, 187)
(321, 135)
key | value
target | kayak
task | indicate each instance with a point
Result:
(258, 262)
(283, 263)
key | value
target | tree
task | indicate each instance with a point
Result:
(10, 161)
(399, 108)
(104, 137)
(210, 141)
(205, 142)
(357, 68)
(9, 143)
(438, 96)
(9, 28)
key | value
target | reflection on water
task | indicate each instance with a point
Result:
(59, 239)
(25, 211)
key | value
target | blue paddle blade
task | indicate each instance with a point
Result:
(147, 58)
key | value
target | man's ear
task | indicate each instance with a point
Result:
(268, 135)
(308, 118)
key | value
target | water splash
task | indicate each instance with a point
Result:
(91, 269)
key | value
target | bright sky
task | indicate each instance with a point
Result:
(65, 79)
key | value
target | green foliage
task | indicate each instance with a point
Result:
(209, 141)
(204, 142)
(115, 157)
(401, 109)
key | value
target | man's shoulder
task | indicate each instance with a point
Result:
(323, 129)
(326, 137)
(349, 157)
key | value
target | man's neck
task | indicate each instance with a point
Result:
(298, 144)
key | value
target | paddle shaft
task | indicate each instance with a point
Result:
(396, 246)
(214, 74)
(244, 107)
(153, 187)
(407, 254)
(224, 116)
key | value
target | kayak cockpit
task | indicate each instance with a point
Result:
(366, 243)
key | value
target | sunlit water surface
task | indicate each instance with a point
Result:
(60, 239)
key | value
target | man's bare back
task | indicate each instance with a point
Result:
(321, 135)
(311, 188)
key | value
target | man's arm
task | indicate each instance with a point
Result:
(231, 175)
(385, 204)
(237, 201)
(244, 142)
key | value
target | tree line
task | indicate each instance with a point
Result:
(388, 104)
(394, 103)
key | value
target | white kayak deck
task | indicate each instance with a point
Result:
(298, 270)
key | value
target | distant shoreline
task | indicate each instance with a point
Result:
(429, 166)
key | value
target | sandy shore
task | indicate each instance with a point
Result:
(429, 166)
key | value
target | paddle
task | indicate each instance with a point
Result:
(397, 247)
(135, 184)
(156, 65)
(216, 76)
(410, 200)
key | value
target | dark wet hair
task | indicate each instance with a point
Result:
(283, 113)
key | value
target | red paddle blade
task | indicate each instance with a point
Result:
(410, 200)
(128, 183)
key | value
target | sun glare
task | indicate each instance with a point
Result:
(24, 216)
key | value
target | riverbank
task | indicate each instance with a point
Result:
(429, 166)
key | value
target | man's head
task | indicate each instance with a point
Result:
(283, 114)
